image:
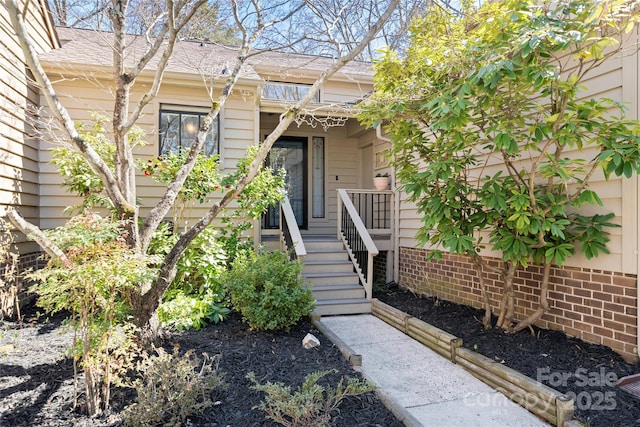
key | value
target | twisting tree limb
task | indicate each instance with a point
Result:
(60, 112)
(149, 300)
(35, 234)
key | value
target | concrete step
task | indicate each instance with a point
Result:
(327, 266)
(338, 292)
(323, 279)
(342, 306)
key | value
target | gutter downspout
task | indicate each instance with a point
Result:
(396, 214)
(633, 63)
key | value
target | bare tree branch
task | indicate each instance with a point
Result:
(60, 112)
(35, 234)
(167, 271)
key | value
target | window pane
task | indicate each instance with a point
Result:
(189, 129)
(317, 178)
(180, 128)
(211, 143)
(286, 91)
(169, 132)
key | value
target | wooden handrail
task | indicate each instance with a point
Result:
(372, 250)
(292, 225)
(357, 222)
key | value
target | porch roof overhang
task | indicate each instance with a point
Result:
(318, 109)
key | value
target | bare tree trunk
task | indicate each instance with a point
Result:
(146, 304)
(507, 304)
(543, 305)
(503, 308)
(479, 263)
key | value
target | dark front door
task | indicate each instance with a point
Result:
(290, 153)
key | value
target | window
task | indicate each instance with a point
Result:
(179, 128)
(318, 177)
(287, 91)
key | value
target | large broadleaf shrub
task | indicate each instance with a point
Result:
(497, 140)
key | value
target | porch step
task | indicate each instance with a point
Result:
(325, 255)
(344, 266)
(322, 244)
(319, 279)
(338, 292)
(329, 272)
(333, 307)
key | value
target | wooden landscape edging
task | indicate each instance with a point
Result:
(545, 402)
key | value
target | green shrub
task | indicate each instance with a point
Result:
(183, 311)
(94, 286)
(268, 290)
(199, 268)
(195, 296)
(311, 404)
(171, 388)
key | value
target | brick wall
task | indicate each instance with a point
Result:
(25, 262)
(597, 306)
(380, 267)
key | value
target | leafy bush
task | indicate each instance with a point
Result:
(171, 388)
(94, 284)
(311, 404)
(268, 290)
(183, 311)
(200, 267)
(195, 297)
(78, 177)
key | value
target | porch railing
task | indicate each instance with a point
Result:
(353, 233)
(373, 207)
(290, 231)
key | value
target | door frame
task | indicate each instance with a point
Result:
(304, 141)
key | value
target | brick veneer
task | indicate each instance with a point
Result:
(380, 267)
(597, 306)
(30, 261)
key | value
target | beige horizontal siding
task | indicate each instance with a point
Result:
(339, 92)
(18, 149)
(83, 97)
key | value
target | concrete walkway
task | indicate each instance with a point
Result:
(423, 388)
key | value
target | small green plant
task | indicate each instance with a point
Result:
(311, 405)
(183, 311)
(172, 387)
(196, 296)
(78, 177)
(94, 284)
(201, 265)
(200, 184)
(268, 290)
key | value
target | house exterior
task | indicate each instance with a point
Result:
(333, 216)
(19, 151)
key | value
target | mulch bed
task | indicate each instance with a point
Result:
(569, 365)
(36, 381)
